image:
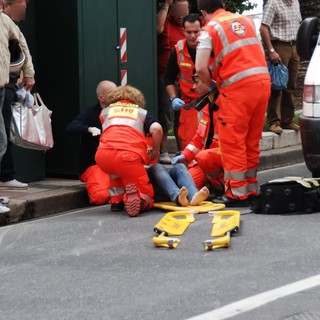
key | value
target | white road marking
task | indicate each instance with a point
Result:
(258, 300)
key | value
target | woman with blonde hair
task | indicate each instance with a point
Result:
(123, 150)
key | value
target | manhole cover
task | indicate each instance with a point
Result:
(308, 315)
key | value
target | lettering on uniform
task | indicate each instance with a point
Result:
(238, 28)
(123, 112)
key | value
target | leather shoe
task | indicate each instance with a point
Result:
(118, 206)
(230, 202)
(292, 126)
(275, 128)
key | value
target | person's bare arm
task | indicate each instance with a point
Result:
(162, 15)
(202, 66)
(171, 90)
(265, 36)
(156, 133)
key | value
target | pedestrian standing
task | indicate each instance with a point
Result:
(279, 26)
(170, 31)
(16, 10)
(8, 31)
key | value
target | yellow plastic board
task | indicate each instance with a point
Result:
(224, 222)
(174, 223)
(205, 206)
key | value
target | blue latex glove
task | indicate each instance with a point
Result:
(178, 159)
(177, 104)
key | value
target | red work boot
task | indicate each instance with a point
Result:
(133, 200)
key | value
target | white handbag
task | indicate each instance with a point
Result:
(30, 127)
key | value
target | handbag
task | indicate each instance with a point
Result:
(279, 75)
(30, 127)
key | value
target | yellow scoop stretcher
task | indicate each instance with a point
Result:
(172, 224)
(225, 224)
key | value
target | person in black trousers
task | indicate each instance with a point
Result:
(88, 125)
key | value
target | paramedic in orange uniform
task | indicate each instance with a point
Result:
(122, 151)
(203, 151)
(243, 81)
(180, 66)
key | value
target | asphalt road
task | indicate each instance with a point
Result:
(95, 264)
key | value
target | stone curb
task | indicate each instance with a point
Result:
(269, 141)
(276, 158)
(49, 202)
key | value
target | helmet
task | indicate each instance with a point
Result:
(17, 58)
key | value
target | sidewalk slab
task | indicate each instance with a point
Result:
(286, 139)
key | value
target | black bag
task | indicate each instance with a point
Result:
(288, 195)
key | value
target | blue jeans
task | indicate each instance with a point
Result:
(168, 182)
(3, 135)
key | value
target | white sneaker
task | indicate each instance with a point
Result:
(164, 158)
(4, 209)
(4, 200)
(13, 184)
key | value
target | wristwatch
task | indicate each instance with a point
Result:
(171, 99)
(271, 50)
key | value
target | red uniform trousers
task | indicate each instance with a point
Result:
(208, 170)
(240, 125)
(97, 184)
(125, 167)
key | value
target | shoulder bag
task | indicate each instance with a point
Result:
(31, 126)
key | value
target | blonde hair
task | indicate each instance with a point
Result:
(129, 93)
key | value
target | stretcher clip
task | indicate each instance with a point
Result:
(220, 242)
(163, 241)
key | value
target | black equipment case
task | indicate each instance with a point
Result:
(288, 195)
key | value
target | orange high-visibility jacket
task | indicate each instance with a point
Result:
(122, 124)
(186, 66)
(234, 40)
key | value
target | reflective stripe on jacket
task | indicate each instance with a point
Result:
(123, 128)
(124, 113)
(237, 50)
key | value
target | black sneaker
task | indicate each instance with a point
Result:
(118, 206)
(230, 202)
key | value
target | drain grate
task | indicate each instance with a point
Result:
(308, 315)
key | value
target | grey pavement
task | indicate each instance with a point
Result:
(51, 196)
(93, 264)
